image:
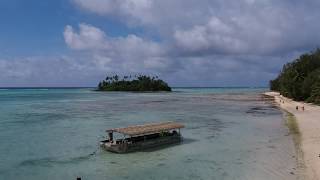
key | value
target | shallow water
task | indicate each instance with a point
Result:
(229, 134)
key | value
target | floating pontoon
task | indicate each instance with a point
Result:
(141, 137)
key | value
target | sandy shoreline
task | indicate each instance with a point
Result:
(309, 126)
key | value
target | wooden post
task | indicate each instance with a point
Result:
(110, 136)
(78, 178)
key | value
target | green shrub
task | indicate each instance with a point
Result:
(136, 83)
(300, 79)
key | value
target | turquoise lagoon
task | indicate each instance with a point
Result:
(231, 133)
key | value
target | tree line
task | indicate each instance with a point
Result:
(133, 83)
(300, 79)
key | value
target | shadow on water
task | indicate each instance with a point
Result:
(263, 110)
(188, 141)
(185, 141)
(51, 161)
(36, 118)
(160, 147)
(2, 171)
(159, 102)
(269, 108)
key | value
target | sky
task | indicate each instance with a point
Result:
(203, 43)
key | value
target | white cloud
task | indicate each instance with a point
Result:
(105, 7)
(215, 36)
(89, 37)
(123, 8)
(207, 42)
(257, 29)
(130, 53)
(50, 71)
(89, 68)
(93, 38)
(221, 49)
(215, 26)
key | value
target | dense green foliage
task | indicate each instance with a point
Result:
(136, 83)
(300, 79)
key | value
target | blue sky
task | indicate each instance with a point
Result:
(33, 27)
(185, 42)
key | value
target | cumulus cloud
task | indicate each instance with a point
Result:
(80, 70)
(133, 54)
(88, 69)
(221, 38)
(130, 53)
(213, 37)
(122, 8)
(215, 26)
(89, 37)
(210, 39)
(200, 43)
(264, 30)
(93, 38)
(103, 7)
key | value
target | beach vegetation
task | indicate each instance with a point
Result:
(133, 83)
(300, 79)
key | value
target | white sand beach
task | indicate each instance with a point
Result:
(308, 121)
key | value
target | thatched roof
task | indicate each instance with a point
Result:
(151, 128)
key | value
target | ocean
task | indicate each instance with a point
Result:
(230, 133)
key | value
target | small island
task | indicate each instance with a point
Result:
(140, 83)
(300, 79)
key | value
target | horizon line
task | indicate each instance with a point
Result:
(74, 87)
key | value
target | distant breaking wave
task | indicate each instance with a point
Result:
(36, 89)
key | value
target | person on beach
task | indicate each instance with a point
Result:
(297, 108)
(302, 108)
